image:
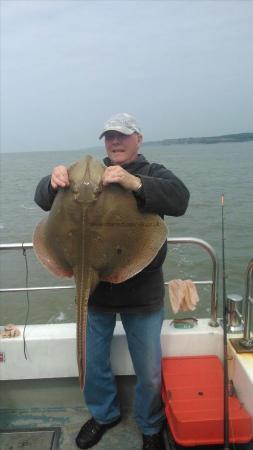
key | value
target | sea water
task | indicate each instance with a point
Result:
(207, 170)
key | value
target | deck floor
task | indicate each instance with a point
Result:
(125, 436)
(29, 405)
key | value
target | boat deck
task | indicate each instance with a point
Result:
(57, 405)
(69, 420)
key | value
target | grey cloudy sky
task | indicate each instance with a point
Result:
(183, 68)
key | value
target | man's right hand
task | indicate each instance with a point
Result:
(59, 177)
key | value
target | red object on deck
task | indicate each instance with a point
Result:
(193, 396)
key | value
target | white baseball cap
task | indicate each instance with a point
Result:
(123, 123)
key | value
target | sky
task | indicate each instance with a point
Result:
(182, 68)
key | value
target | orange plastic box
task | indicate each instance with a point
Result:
(193, 395)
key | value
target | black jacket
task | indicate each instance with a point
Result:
(162, 193)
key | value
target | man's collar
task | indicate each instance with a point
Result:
(128, 165)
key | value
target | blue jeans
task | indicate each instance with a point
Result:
(100, 392)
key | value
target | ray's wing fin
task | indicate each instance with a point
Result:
(127, 239)
(45, 253)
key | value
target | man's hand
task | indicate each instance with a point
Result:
(59, 177)
(116, 174)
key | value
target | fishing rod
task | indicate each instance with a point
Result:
(225, 347)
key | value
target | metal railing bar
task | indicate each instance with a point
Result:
(207, 282)
(39, 288)
(175, 240)
(248, 301)
(17, 246)
(214, 296)
(56, 288)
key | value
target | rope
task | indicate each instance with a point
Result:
(27, 299)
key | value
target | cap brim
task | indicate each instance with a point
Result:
(120, 129)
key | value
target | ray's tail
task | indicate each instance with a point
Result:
(85, 284)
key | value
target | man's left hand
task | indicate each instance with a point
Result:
(116, 174)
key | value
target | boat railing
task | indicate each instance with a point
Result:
(176, 240)
(215, 270)
(248, 305)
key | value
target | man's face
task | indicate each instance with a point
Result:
(121, 148)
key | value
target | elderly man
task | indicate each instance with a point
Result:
(138, 300)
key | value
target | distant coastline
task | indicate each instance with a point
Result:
(226, 138)
(239, 137)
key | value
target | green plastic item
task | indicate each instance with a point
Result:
(183, 325)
